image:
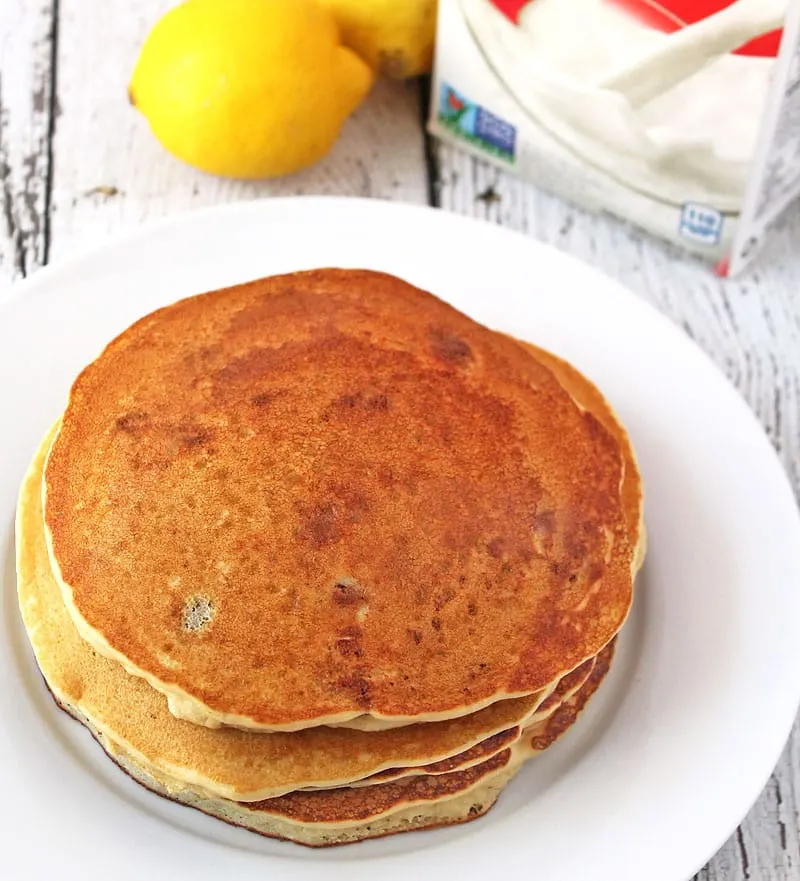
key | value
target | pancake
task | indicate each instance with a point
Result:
(341, 816)
(317, 818)
(330, 498)
(474, 803)
(478, 754)
(538, 737)
(565, 690)
(229, 763)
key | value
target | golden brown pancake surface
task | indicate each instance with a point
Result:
(329, 494)
(228, 762)
(112, 704)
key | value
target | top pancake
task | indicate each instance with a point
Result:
(327, 495)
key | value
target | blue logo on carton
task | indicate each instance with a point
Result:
(495, 131)
(701, 224)
(476, 124)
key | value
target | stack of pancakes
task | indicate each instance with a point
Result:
(322, 557)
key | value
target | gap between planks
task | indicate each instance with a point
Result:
(28, 110)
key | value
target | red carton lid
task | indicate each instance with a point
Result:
(669, 16)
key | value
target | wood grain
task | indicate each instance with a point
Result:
(110, 173)
(27, 116)
(750, 327)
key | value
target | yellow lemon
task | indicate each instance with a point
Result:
(248, 88)
(395, 37)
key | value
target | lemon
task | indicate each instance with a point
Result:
(247, 88)
(395, 37)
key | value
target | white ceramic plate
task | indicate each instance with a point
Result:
(683, 735)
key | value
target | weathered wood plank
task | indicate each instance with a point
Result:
(110, 173)
(26, 119)
(751, 328)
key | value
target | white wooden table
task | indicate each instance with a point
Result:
(77, 163)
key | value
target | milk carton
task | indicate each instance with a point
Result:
(682, 116)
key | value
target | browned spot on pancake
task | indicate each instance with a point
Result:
(367, 401)
(358, 687)
(194, 436)
(249, 367)
(449, 347)
(346, 402)
(201, 356)
(443, 598)
(348, 593)
(322, 525)
(342, 805)
(350, 642)
(386, 477)
(263, 399)
(133, 422)
(416, 635)
(472, 609)
(328, 522)
(495, 547)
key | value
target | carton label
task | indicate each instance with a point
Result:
(476, 124)
(701, 224)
